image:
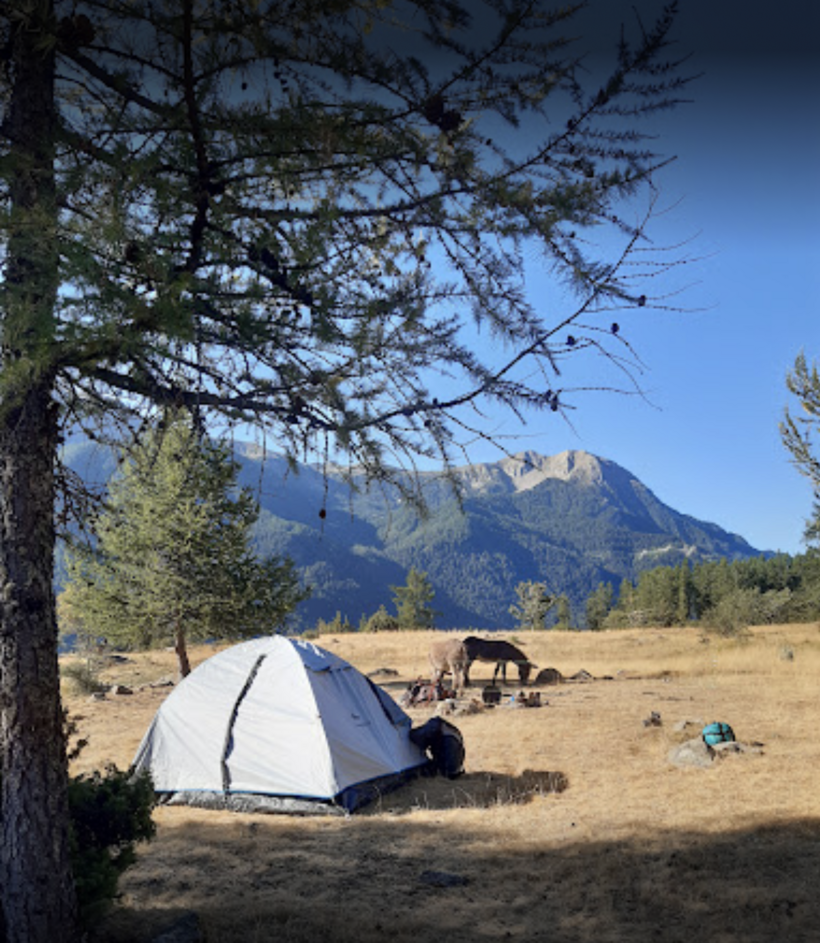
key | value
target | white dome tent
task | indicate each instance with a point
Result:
(277, 724)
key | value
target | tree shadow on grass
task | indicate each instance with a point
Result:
(480, 790)
(367, 878)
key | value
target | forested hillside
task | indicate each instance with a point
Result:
(571, 521)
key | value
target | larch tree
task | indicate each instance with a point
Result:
(800, 434)
(172, 561)
(293, 214)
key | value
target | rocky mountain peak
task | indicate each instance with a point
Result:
(526, 470)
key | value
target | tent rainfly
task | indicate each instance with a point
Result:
(278, 725)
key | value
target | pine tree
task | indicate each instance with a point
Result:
(712, 581)
(284, 214)
(563, 613)
(657, 595)
(625, 614)
(683, 607)
(412, 601)
(172, 561)
(598, 606)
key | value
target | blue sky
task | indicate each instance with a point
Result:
(745, 189)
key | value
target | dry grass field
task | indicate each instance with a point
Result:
(569, 826)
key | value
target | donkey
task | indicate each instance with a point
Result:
(449, 655)
(500, 652)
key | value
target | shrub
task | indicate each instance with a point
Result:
(336, 626)
(84, 677)
(736, 611)
(618, 619)
(381, 621)
(110, 813)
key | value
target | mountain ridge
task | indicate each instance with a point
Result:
(570, 520)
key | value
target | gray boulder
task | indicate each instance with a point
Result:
(694, 752)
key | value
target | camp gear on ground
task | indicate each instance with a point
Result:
(445, 744)
(717, 733)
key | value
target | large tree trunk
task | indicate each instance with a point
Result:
(38, 899)
(36, 886)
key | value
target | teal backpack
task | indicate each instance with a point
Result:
(717, 733)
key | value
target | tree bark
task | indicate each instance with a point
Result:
(181, 648)
(37, 897)
(38, 900)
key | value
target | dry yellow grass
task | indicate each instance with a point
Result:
(628, 848)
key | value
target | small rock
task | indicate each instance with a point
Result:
(97, 696)
(120, 689)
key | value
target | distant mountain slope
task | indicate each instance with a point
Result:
(571, 520)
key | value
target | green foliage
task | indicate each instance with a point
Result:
(84, 673)
(335, 626)
(294, 221)
(800, 434)
(412, 601)
(173, 560)
(744, 607)
(598, 606)
(476, 556)
(804, 581)
(110, 814)
(623, 614)
(722, 595)
(71, 621)
(293, 217)
(381, 621)
(84, 676)
(563, 612)
(662, 596)
(534, 603)
(576, 536)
